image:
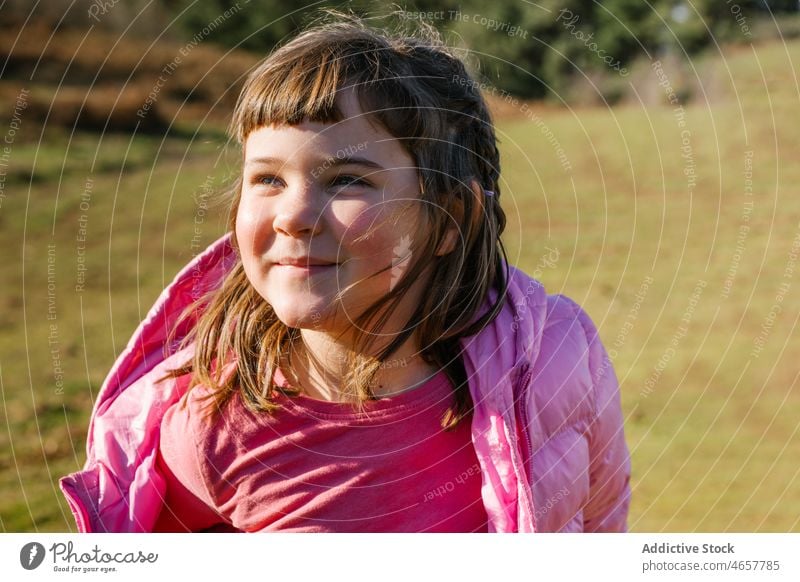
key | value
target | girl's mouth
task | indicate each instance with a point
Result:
(305, 269)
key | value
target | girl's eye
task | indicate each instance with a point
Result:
(348, 181)
(265, 180)
(338, 183)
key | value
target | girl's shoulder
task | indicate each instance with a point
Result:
(197, 410)
(211, 425)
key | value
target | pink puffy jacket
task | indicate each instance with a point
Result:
(547, 422)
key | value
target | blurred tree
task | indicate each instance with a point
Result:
(527, 49)
(257, 27)
(777, 6)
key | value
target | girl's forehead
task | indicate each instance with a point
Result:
(350, 112)
(354, 136)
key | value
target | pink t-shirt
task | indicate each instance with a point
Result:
(317, 466)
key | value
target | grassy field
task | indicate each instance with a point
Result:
(639, 201)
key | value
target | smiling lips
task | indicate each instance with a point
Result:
(304, 262)
(304, 265)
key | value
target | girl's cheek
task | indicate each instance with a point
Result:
(375, 223)
(251, 224)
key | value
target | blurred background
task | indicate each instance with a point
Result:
(649, 161)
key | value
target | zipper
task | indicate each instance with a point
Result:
(526, 441)
(524, 438)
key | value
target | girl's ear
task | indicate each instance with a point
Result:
(451, 238)
(449, 242)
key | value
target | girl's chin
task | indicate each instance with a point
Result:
(306, 319)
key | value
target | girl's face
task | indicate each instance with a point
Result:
(308, 192)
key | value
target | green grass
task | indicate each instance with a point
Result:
(712, 444)
(715, 442)
(139, 225)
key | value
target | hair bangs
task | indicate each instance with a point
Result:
(288, 93)
(288, 90)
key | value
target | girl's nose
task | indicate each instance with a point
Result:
(299, 211)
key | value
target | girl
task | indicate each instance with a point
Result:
(357, 354)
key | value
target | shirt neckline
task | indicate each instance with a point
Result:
(435, 389)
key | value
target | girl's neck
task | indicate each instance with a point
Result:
(319, 373)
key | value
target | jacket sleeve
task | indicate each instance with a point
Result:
(610, 466)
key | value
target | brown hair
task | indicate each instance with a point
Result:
(420, 92)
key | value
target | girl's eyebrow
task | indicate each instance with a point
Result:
(324, 164)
